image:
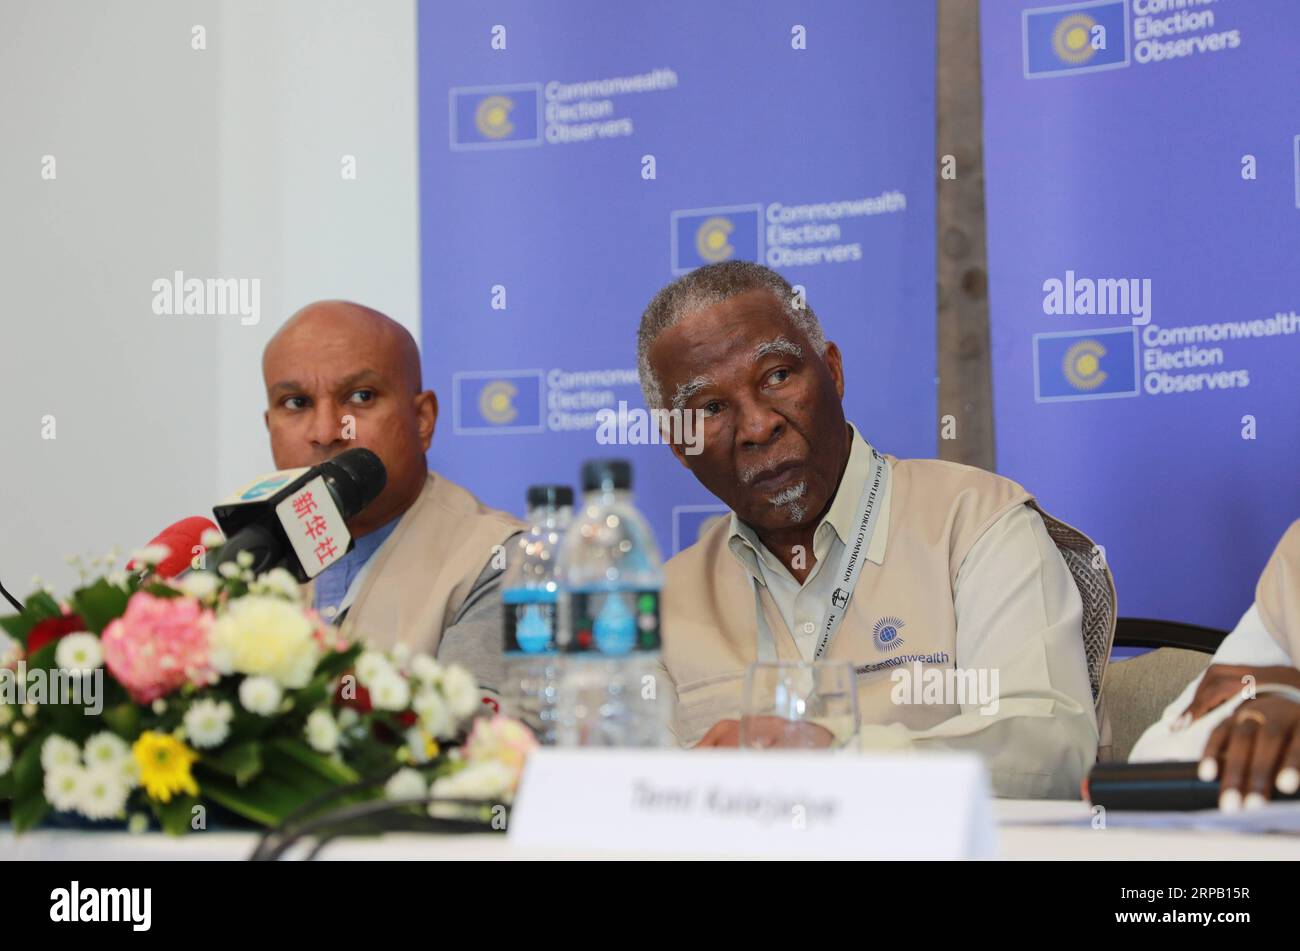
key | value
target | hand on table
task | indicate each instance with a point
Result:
(768, 732)
(1254, 751)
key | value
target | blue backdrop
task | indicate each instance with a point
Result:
(1148, 157)
(542, 241)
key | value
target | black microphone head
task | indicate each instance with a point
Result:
(356, 477)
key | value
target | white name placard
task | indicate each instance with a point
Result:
(755, 804)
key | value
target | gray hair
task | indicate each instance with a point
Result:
(706, 287)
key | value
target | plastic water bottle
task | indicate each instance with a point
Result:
(529, 596)
(610, 579)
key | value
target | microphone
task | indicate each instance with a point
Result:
(295, 518)
(181, 539)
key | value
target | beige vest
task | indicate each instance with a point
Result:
(938, 510)
(1278, 593)
(417, 581)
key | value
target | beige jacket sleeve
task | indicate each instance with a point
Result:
(1019, 620)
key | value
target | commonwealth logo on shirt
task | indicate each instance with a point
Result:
(1075, 38)
(703, 236)
(1085, 365)
(497, 402)
(492, 117)
(885, 633)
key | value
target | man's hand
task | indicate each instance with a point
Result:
(1223, 682)
(768, 732)
(1254, 750)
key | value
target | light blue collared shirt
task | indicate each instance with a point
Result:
(333, 583)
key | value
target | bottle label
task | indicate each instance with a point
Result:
(529, 621)
(614, 622)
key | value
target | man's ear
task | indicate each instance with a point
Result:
(266, 419)
(835, 364)
(426, 416)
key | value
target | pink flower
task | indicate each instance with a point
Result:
(158, 646)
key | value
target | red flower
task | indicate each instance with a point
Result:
(360, 701)
(51, 629)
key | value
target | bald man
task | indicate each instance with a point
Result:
(426, 567)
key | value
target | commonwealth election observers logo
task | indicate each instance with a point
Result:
(497, 402)
(1075, 38)
(495, 117)
(1083, 365)
(701, 236)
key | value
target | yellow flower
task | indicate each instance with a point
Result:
(164, 765)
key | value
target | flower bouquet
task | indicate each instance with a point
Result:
(143, 700)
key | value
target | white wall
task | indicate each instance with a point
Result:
(222, 162)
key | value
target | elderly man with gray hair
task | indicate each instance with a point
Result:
(837, 552)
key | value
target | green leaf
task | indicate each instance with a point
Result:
(99, 603)
(28, 775)
(29, 810)
(124, 720)
(41, 606)
(324, 766)
(241, 762)
(159, 590)
(18, 626)
(335, 664)
(7, 786)
(175, 816)
(266, 801)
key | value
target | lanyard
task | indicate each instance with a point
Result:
(846, 577)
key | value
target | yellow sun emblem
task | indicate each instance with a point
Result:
(711, 240)
(493, 117)
(1082, 365)
(497, 402)
(1072, 38)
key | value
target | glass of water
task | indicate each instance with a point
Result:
(790, 705)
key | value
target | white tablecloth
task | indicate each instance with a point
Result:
(1031, 829)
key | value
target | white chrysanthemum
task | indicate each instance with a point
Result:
(198, 584)
(79, 651)
(371, 665)
(264, 636)
(207, 723)
(59, 751)
(212, 538)
(425, 669)
(348, 718)
(322, 732)
(6, 714)
(260, 695)
(462, 692)
(280, 583)
(435, 715)
(63, 787)
(138, 824)
(102, 794)
(229, 570)
(159, 706)
(489, 780)
(106, 749)
(390, 691)
(6, 757)
(406, 784)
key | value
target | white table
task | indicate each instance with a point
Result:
(1028, 829)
